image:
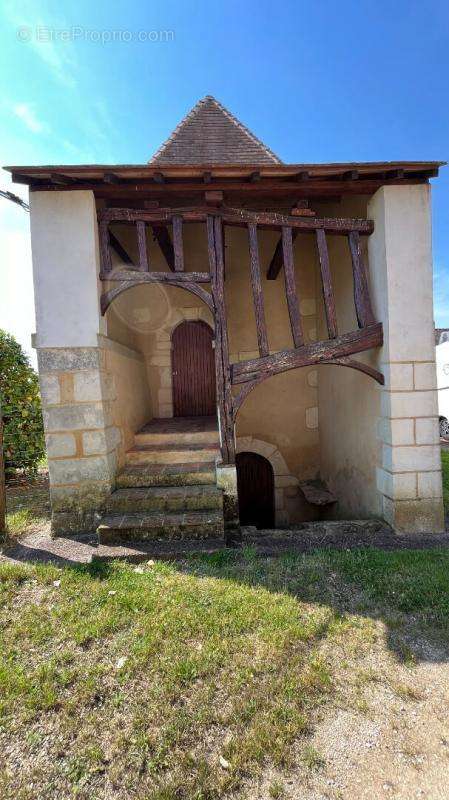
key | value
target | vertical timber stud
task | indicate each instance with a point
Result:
(105, 251)
(326, 282)
(362, 299)
(290, 287)
(177, 244)
(142, 245)
(259, 309)
(224, 395)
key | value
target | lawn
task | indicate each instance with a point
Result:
(191, 680)
(209, 677)
(445, 466)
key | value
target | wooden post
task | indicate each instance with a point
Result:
(290, 287)
(364, 311)
(326, 282)
(259, 308)
(2, 484)
(222, 367)
(177, 243)
(142, 245)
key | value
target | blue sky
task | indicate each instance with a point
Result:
(323, 81)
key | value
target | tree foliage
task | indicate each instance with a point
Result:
(23, 435)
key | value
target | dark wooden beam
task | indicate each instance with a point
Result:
(290, 287)
(222, 373)
(213, 197)
(162, 236)
(302, 176)
(142, 244)
(154, 277)
(351, 175)
(259, 309)
(158, 177)
(63, 180)
(268, 187)
(326, 282)
(362, 298)
(119, 249)
(207, 177)
(315, 353)
(105, 252)
(358, 365)
(254, 177)
(238, 216)
(111, 177)
(277, 261)
(177, 243)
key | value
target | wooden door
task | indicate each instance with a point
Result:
(255, 486)
(193, 370)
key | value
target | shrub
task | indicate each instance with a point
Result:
(23, 435)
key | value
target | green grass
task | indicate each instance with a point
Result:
(27, 506)
(445, 466)
(184, 682)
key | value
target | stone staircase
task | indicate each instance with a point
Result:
(167, 489)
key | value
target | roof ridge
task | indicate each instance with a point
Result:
(195, 110)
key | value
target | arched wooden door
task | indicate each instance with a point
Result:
(255, 486)
(193, 370)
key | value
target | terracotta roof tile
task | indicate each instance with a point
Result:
(210, 134)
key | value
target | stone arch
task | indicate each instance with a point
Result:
(284, 481)
(160, 361)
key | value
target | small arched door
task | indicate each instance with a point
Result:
(255, 486)
(193, 370)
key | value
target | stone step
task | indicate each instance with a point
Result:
(191, 474)
(179, 430)
(171, 454)
(165, 498)
(120, 528)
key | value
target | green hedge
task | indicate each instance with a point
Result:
(23, 435)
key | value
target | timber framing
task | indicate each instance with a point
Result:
(337, 350)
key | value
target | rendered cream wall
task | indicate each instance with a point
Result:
(348, 401)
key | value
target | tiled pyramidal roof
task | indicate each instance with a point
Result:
(210, 134)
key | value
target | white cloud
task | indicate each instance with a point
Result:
(38, 28)
(26, 113)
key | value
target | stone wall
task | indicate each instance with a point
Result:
(77, 398)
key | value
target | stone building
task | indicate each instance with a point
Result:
(216, 307)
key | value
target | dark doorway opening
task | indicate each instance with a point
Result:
(193, 370)
(255, 486)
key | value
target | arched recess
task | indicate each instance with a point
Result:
(247, 387)
(283, 479)
(164, 278)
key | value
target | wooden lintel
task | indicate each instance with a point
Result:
(154, 277)
(162, 237)
(239, 216)
(316, 353)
